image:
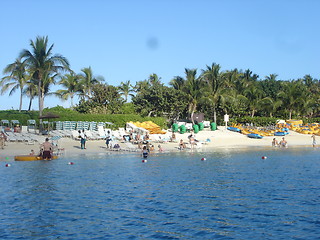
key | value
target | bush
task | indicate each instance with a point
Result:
(119, 120)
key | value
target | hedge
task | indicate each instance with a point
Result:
(119, 120)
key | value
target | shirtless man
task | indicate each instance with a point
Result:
(46, 150)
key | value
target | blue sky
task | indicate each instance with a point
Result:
(129, 40)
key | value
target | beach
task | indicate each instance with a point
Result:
(207, 141)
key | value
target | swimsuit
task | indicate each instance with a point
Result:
(46, 155)
(145, 154)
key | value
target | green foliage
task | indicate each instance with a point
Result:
(159, 100)
(22, 116)
(105, 99)
(128, 108)
(119, 120)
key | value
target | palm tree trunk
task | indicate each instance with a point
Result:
(252, 114)
(20, 106)
(30, 104)
(71, 101)
(41, 103)
(215, 115)
(40, 97)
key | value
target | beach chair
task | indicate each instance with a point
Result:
(80, 125)
(11, 137)
(66, 125)
(5, 123)
(58, 125)
(85, 125)
(31, 125)
(101, 132)
(89, 134)
(130, 147)
(15, 123)
(73, 125)
(93, 126)
(75, 135)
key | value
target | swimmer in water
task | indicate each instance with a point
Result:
(145, 152)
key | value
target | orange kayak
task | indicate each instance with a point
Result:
(30, 158)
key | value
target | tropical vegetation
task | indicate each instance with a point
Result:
(243, 95)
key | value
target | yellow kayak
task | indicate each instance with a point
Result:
(30, 158)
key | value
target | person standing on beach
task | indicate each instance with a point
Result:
(83, 139)
(108, 140)
(314, 142)
(46, 149)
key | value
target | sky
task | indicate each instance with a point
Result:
(129, 40)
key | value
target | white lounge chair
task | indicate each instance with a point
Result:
(130, 147)
(101, 132)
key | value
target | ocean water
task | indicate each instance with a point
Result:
(234, 194)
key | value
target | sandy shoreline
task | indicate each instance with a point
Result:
(220, 139)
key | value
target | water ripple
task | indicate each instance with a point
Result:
(233, 195)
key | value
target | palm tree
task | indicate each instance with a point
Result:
(43, 64)
(177, 83)
(254, 96)
(126, 89)
(16, 79)
(293, 96)
(87, 80)
(193, 89)
(211, 76)
(272, 77)
(71, 83)
(154, 79)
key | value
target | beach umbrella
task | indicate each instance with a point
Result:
(49, 115)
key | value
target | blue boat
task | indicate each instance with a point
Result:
(234, 129)
(279, 134)
(254, 135)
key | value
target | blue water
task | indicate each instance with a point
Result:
(234, 194)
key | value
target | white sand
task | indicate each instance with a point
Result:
(221, 138)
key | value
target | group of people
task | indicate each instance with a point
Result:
(282, 143)
(146, 149)
(83, 139)
(46, 150)
(192, 141)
